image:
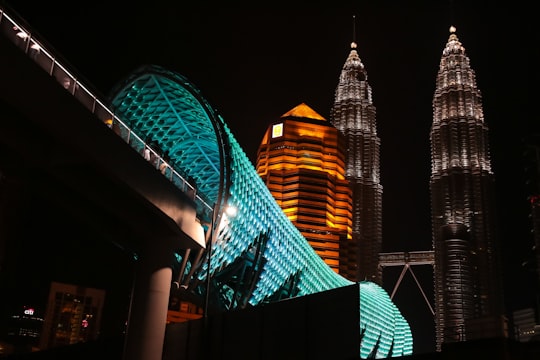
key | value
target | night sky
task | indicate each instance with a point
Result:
(254, 64)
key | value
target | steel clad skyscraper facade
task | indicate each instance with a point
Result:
(353, 114)
(468, 294)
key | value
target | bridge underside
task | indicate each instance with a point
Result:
(56, 144)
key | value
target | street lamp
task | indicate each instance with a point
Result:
(213, 231)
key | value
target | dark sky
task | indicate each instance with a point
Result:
(253, 64)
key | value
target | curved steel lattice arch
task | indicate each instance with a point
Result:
(258, 256)
(169, 114)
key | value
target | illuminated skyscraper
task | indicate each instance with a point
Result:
(301, 159)
(353, 114)
(468, 294)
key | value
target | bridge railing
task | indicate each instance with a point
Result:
(35, 48)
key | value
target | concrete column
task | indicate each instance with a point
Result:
(149, 303)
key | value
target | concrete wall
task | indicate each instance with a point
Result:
(319, 326)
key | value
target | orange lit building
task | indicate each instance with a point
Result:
(302, 161)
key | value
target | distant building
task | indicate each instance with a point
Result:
(532, 173)
(73, 315)
(469, 300)
(301, 159)
(24, 330)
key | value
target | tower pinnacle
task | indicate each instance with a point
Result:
(353, 43)
(354, 115)
(464, 225)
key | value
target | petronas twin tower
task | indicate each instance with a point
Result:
(468, 294)
(468, 297)
(353, 114)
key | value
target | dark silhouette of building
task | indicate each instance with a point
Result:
(353, 114)
(469, 301)
(526, 321)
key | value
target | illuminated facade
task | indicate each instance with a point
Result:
(468, 294)
(73, 315)
(257, 256)
(249, 259)
(353, 114)
(301, 159)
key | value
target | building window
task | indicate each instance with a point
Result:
(277, 130)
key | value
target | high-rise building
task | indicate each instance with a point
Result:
(73, 315)
(24, 329)
(353, 114)
(301, 159)
(468, 294)
(531, 155)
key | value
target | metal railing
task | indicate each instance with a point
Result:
(35, 49)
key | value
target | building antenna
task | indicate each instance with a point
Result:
(354, 29)
(451, 11)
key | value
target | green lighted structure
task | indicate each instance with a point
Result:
(257, 256)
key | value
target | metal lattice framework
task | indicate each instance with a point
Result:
(258, 256)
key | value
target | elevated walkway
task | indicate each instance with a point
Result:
(254, 258)
(61, 146)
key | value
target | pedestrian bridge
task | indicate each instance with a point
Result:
(253, 257)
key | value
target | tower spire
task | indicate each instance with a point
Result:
(353, 44)
(451, 11)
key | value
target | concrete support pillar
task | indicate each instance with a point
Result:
(149, 303)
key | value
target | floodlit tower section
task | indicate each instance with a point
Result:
(353, 114)
(301, 159)
(462, 206)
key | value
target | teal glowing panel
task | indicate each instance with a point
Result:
(166, 109)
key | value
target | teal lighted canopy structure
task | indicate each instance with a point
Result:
(257, 256)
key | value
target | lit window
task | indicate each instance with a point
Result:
(277, 130)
